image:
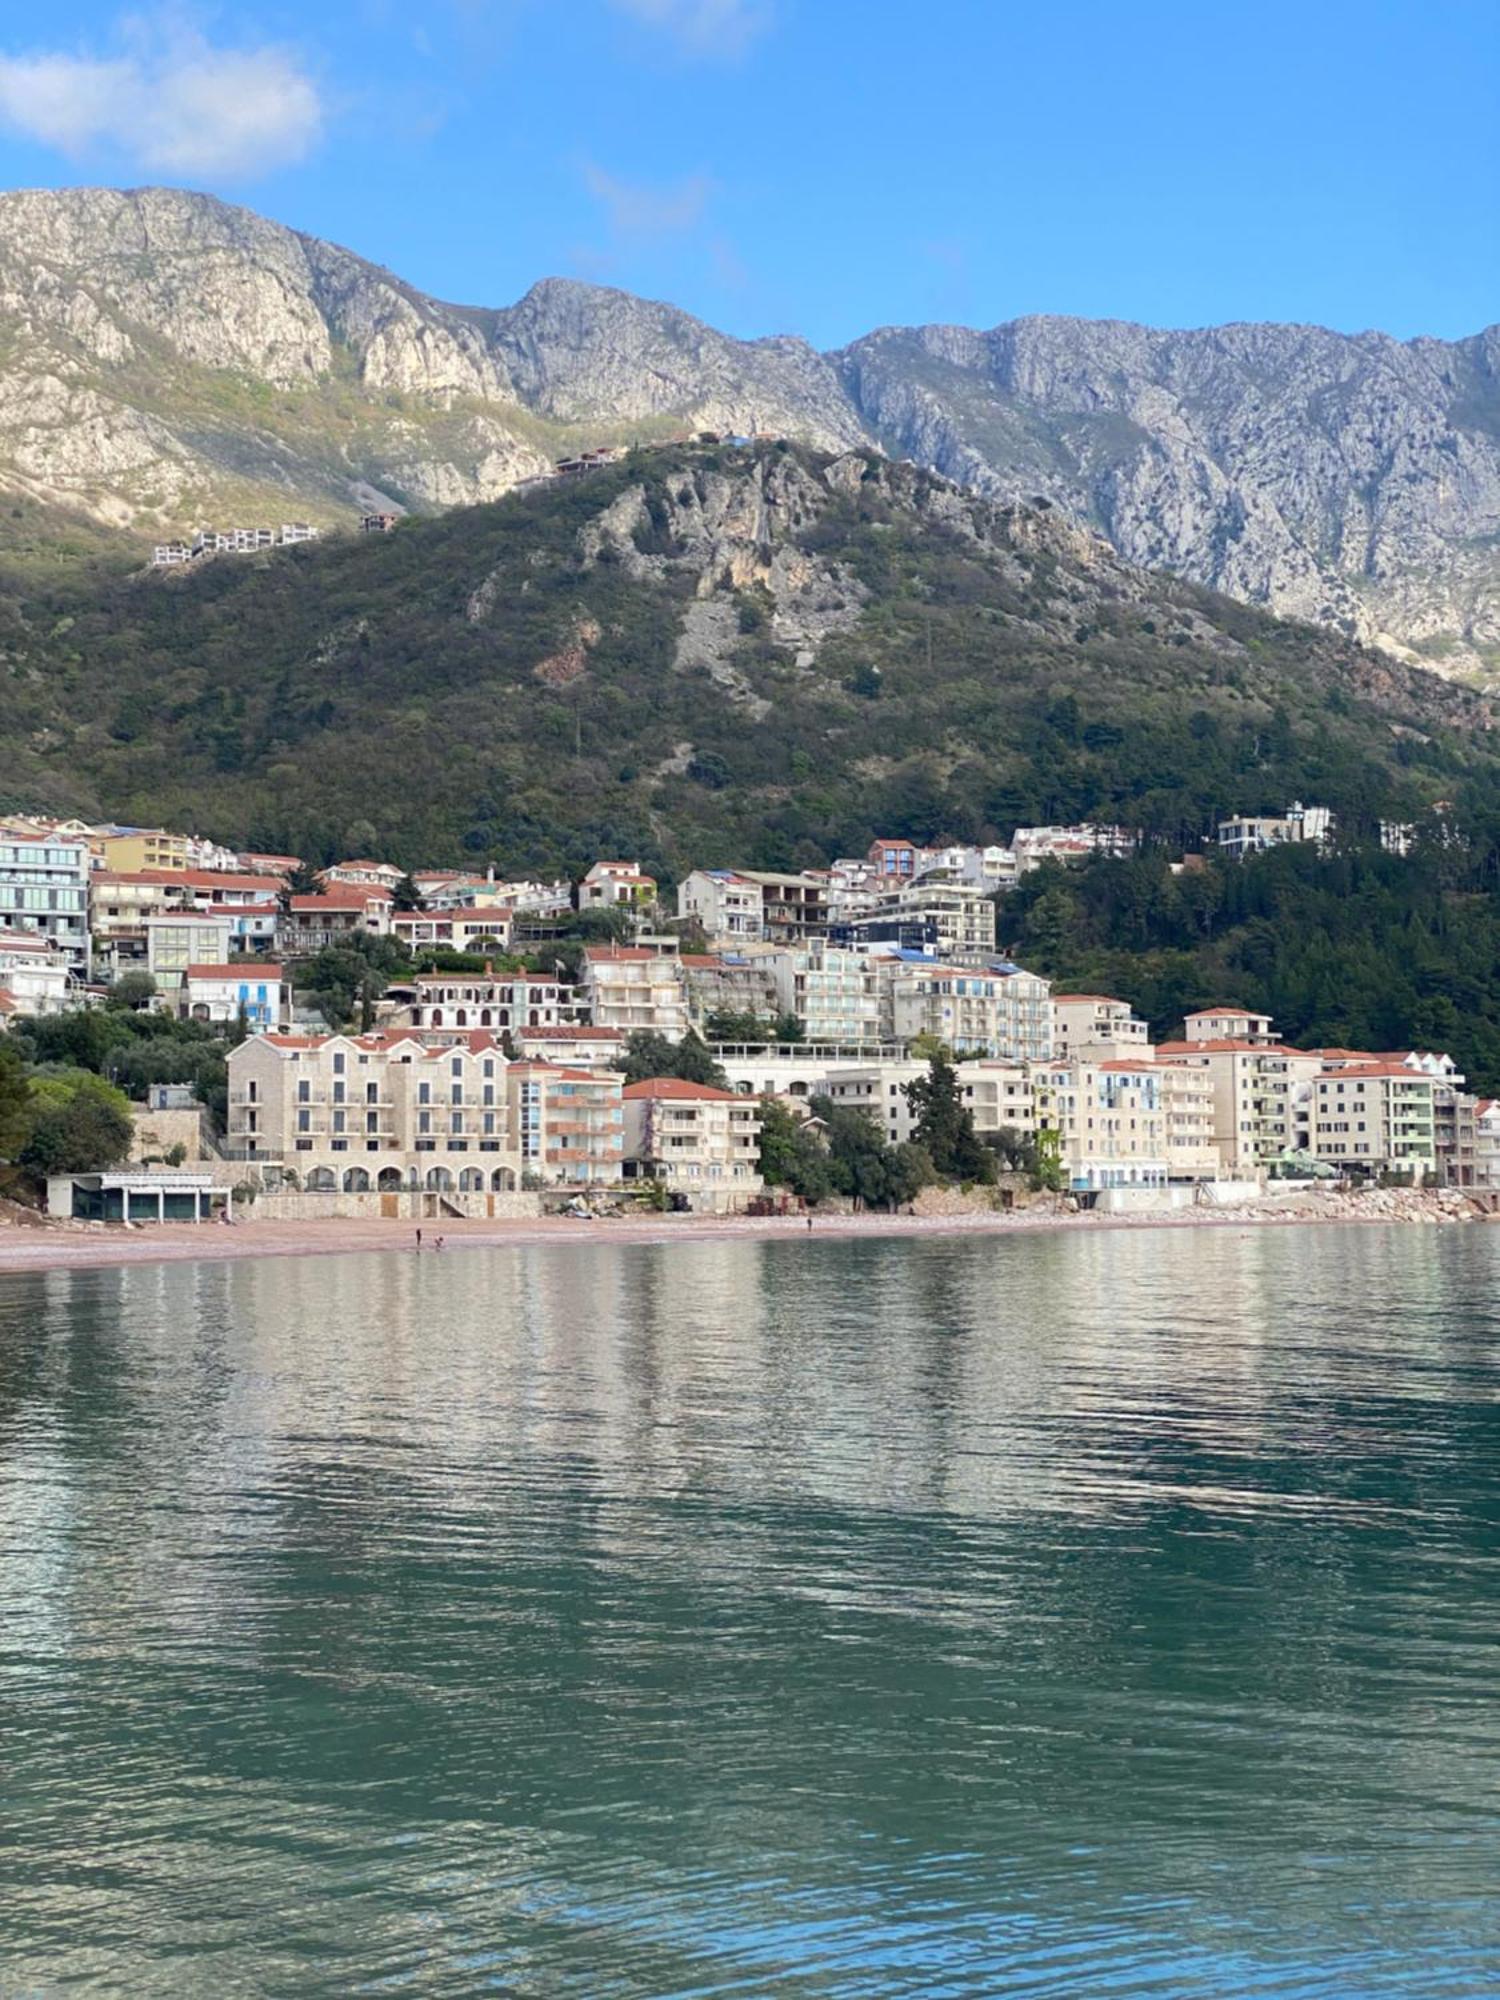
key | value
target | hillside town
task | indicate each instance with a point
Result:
(526, 1037)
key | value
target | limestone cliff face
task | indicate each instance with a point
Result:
(1354, 481)
(164, 356)
(167, 359)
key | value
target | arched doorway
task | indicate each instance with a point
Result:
(389, 1181)
(356, 1181)
(439, 1180)
(503, 1181)
(321, 1180)
(471, 1180)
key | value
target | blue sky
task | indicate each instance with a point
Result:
(820, 166)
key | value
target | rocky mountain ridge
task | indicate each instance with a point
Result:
(166, 358)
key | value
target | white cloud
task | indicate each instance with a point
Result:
(635, 209)
(170, 104)
(713, 28)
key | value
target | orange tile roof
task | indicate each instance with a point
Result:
(678, 1091)
(245, 970)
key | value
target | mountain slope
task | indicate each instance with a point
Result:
(1350, 480)
(167, 359)
(702, 655)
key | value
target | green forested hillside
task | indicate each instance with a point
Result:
(702, 655)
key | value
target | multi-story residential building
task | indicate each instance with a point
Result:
(572, 1045)
(992, 870)
(1260, 1098)
(176, 939)
(362, 874)
(256, 994)
(118, 908)
(376, 1113)
(962, 920)
(894, 860)
(796, 1069)
(570, 1124)
(616, 885)
(1187, 1095)
(480, 929)
(1251, 833)
(127, 850)
(44, 888)
(36, 976)
(698, 1141)
(1094, 1024)
(741, 981)
(1375, 1117)
(634, 989)
(310, 924)
(460, 1002)
(1001, 1011)
(835, 993)
(729, 906)
(1230, 1024)
(999, 1095)
(1032, 845)
(793, 907)
(1109, 1119)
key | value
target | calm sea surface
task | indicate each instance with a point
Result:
(1082, 1615)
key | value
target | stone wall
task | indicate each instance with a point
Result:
(407, 1206)
(156, 1132)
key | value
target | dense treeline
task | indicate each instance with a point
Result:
(1353, 949)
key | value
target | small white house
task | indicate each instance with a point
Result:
(224, 992)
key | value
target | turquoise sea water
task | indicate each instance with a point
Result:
(1102, 1614)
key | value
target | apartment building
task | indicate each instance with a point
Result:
(572, 1046)
(1000, 1095)
(310, 924)
(1109, 1119)
(36, 976)
(960, 920)
(729, 906)
(127, 850)
(634, 989)
(698, 1141)
(1230, 1024)
(363, 874)
(480, 929)
(1187, 1095)
(998, 1012)
(376, 1113)
(739, 981)
(1260, 1098)
(455, 1003)
(44, 889)
(616, 885)
(835, 993)
(178, 938)
(1375, 1117)
(570, 1124)
(894, 860)
(1253, 833)
(256, 994)
(793, 907)
(1094, 1024)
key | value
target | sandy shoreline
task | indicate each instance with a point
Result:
(45, 1249)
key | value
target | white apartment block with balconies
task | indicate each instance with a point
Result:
(636, 990)
(1109, 1119)
(697, 1141)
(992, 1013)
(44, 889)
(1093, 1023)
(1375, 1117)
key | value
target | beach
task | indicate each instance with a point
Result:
(43, 1246)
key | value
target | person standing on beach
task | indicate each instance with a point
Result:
(419, 1239)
